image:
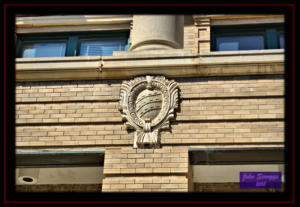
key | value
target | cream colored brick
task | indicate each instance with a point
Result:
(128, 160)
(112, 161)
(170, 185)
(161, 170)
(128, 151)
(139, 165)
(122, 166)
(153, 165)
(126, 180)
(179, 170)
(111, 171)
(143, 170)
(117, 186)
(137, 155)
(153, 185)
(127, 171)
(144, 160)
(134, 186)
(177, 179)
(143, 180)
(166, 159)
(179, 159)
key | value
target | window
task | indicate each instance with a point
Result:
(72, 44)
(247, 37)
(44, 49)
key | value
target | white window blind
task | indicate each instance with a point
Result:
(101, 47)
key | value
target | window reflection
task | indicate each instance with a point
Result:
(44, 49)
(240, 43)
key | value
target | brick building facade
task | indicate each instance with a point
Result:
(70, 135)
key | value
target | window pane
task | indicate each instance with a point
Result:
(47, 49)
(255, 42)
(281, 41)
(101, 47)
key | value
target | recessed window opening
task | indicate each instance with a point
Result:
(72, 44)
(247, 37)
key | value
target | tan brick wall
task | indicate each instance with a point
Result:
(189, 34)
(212, 110)
(67, 91)
(147, 183)
(73, 135)
(231, 110)
(165, 160)
(181, 133)
(68, 112)
(110, 90)
(225, 132)
(128, 169)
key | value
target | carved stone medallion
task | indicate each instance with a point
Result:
(147, 104)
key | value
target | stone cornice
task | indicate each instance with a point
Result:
(44, 24)
(71, 20)
(214, 20)
(237, 16)
(128, 65)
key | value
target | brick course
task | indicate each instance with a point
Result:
(183, 133)
(110, 90)
(190, 110)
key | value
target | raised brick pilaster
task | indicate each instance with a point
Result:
(150, 170)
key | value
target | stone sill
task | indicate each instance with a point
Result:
(246, 56)
(170, 63)
(243, 52)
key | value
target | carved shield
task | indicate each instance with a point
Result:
(147, 104)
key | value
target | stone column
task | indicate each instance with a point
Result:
(157, 32)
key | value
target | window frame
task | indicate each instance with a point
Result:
(270, 32)
(72, 39)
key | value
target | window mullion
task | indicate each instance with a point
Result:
(272, 40)
(19, 48)
(72, 46)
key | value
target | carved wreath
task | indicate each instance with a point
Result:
(147, 104)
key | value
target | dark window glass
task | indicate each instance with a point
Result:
(253, 42)
(44, 49)
(247, 37)
(72, 44)
(281, 41)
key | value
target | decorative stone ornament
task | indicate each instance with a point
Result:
(147, 104)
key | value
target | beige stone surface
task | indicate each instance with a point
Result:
(43, 21)
(179, 63)
(157, 32)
